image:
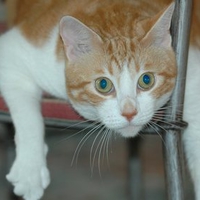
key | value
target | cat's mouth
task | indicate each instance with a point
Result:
(129, 131)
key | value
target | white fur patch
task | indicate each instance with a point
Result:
(38, 63)
(191, 136)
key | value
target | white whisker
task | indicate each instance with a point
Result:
(77, 133)
(82, 142)
(153, 126)
(78, 123)
(106, 147)
(102, 142)
(166, 122)
(91, 150)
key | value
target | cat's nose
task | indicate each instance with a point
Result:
(128, 108)
(129, 115)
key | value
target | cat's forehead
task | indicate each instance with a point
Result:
(123, 54)
(119, 53)
(117, 68)
(120, 47)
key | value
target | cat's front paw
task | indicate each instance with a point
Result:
(29, 180)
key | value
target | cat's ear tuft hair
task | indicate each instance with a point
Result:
(78, 39)
(159, 34)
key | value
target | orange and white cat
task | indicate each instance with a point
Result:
(111, 59)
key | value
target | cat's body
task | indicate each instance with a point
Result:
(117, 58)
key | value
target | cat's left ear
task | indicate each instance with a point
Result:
(159, 33)
(78, 39)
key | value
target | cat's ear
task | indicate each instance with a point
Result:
(159, 33)
(78, 39)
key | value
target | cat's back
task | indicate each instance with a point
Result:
(36, 19)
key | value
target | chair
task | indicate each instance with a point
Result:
(172, 149)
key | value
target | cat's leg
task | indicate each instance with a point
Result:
(29, 174)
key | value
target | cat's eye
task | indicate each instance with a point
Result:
(104, 85)
(146, 81)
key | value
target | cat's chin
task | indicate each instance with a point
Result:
(129, 131)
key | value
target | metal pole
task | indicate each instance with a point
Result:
(172, 146)
(134, 169)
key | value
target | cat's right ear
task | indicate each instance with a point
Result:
(78, 39)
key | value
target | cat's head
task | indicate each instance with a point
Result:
(120, 81)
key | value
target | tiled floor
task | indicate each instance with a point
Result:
(107, 180)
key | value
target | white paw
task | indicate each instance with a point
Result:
(29, 179)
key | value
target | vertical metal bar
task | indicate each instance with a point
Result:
(134, 169)
(172, 146)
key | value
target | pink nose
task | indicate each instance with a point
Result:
(129, 115)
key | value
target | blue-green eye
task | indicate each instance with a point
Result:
(146, 81)
(103, 85)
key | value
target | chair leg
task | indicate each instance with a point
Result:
(172, 139)
(135, 173)
(174, 165)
